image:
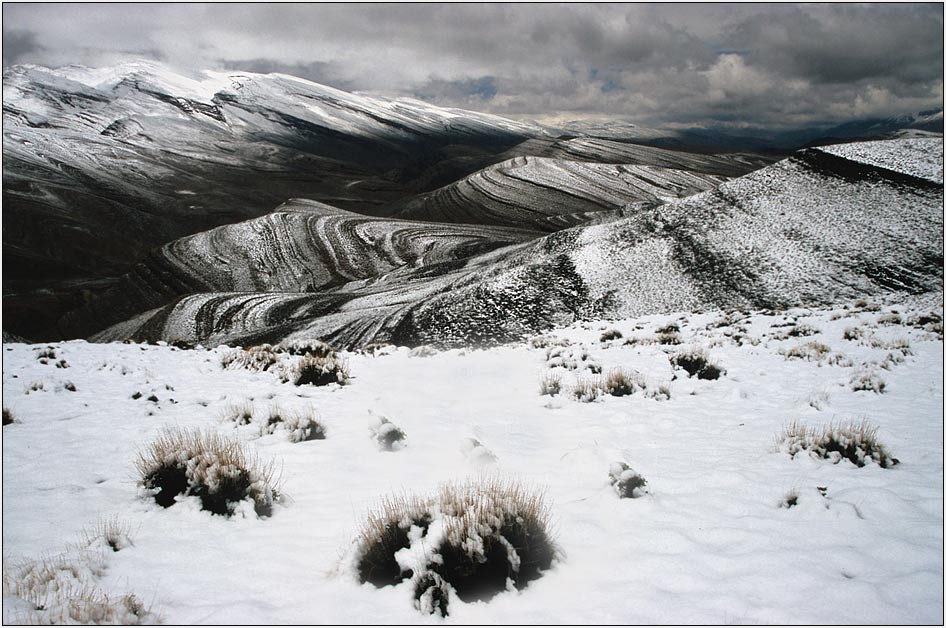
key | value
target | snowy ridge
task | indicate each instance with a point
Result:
(812, 229)
(549, 194)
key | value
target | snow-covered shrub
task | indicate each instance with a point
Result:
(790, 500)
(819, 400)
(240, 413)
(855, 441)
(811, 351)
(423, 351)
(890, 319)
(388, 436)
(494, 531)
(853, 333)
(216, 469)
(386, 531)
(571, 359)
(543, 342)
(550, 384)
(477, 453)
(313, 348)
(625, 480)
(302, 426)
(62, 364)
(113, 534)
(320, 371)
(865, 306)
(669, 328)
(611, 334)
(65, 590)
(378, 348)
(258, 358)
(802, 330)
(661, 393)
(35, 387)
(696, 362)
(669, 338)
(619, 383)
(474, 539)
(867, 380)
(7, 416)
(586, 389)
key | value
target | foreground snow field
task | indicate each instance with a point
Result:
(729, 529)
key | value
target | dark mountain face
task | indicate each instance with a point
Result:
(100, 167)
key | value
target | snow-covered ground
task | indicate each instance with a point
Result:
(712, 539)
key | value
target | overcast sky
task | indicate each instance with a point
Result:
(773, 65)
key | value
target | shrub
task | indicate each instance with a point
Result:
(240, 413)
(790, 500)
(312, 348)
(542, 342)
(808, 351)
(867, 307)
(669, 328)
(258, 358)
(7, 416)
(855, 441)
(385, 532)
(619, 383)
(550, 384)
(697, 363)
(492, 532)
(112, 533)
(853, 333)
(477, 453)
(611, 334)
(36, 386)
(802, 330)
(216, 469)
(320, 371)
(867, 380)
(302, 426)
(388, 436)
(423, 351)
(586, 389)
(626, 481)
(889, 319)
(668, 338)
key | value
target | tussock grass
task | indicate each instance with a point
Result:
(669, 338)
(306, 347)
(320, 371)
(112, 533)
(258, 358)
(696, 362)
(868, 380)
(240, 412)
(388, 436)
(550, 384)
(619, 383)
(855, 441)
(386, 531)
(811, 351)
(7, 416)
(626, 481)
(216, 469)
(585, 389)
(302, 425)
(611, 334)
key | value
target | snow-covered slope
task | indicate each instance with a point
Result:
(730, 527)
(808, 230)
(548, 194)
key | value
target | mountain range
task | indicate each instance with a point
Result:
(240, 208)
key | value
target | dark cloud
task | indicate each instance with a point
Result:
(662, 64)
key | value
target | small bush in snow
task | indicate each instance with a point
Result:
(36, 386)
(802, 330)
(240, 413)
(258, 358)
(302, 426)
(853, 333)
(611, 334)
(697, 363)
(668, 338)
(388, 436)
(626, 481)
(216, 469)
(867, 380)
(543, 342)
(864, 305)
(585, 389)
(855, 441)
(7, 416)
(811, 351)
(477, 453)
(661, 393)
(112, 533)
(669, 328)
(312, 348)
(619, 383)
(890, 319)
(378, 348)
(386, 531)
(423, 351)
(550, 384)
(320, 371)
(790, 500)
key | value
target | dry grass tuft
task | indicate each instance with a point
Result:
(855, 441)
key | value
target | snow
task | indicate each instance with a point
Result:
(920, 157)
(709, 539)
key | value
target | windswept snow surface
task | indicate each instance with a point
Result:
(711, 540)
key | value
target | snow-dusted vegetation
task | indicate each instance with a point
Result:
(781, 491)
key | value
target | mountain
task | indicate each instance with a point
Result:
(824, 225)
(100, 166)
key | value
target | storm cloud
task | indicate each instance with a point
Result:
(740, 65)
